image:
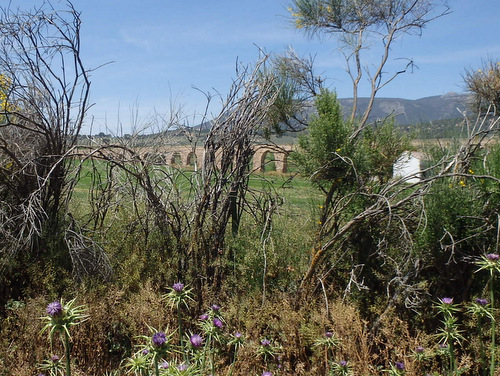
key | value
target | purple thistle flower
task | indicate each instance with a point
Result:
(482, 302)
(443, 346)
(196, 340)
(238, 335)
(492, 256)
(182, 367)
(204, 317)
(265, 342)
(54, 309)
(145, 352)
(419, 349)
(159, 339)
(54, 358)
(217, 323)
(164, 364)
(447, 300)
(328, 334)
(343, 363)
(267, 373)
(178, 287)
(215, 307)
(400, 366)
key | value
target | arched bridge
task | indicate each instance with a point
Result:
(187, 156)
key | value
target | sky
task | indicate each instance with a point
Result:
(161, 56)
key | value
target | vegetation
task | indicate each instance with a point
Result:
(144, 267)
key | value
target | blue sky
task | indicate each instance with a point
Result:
(160, 49)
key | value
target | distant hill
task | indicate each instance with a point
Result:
(407, 111)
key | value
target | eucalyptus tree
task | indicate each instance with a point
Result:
(360, 25)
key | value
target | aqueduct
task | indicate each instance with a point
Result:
(187, 156)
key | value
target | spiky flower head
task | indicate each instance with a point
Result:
(215, 308)
(328, 340)
(265, 342)
(196, 340)
(61, 316)
(218, 323)
(178, 287)
(159, 339)
(493, 257)
(54, 309)
(447, 300)
(204, 317)
(419, 349)
(489, 262)
(179, 295)
(400, 366)
(482, 302)
(267, 373)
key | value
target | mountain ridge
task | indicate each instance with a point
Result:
(413, 111)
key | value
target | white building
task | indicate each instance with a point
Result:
(408, 168)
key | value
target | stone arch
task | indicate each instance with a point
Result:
(267, 161)
(191, 159)
(281, 161)
(176, 159)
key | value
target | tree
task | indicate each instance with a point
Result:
(484, 85)
(370, 222)
(358, 24)
(353, 173)
(45, 96)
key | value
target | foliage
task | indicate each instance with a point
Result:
(359, 24)
(484, 84)
(43, 105)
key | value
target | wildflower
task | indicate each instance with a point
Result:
(182, 367)
(165, 364)
(492, 256)
(238, 335)
(328, 334)
(215, 308)
(159, 339)
(55, 358)
(343, 363)
(265, 342)
(482, 302)
(178, 287)
(204, 317)
(447, 300)
(196, 340)
(217, 323)
(54, 309)
(419, 349)
(267, 373)
(145, 352)
(400, 366)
